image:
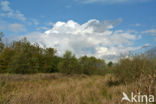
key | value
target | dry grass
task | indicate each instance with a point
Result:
(61, 89)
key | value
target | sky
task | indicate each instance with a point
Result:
(106, 29)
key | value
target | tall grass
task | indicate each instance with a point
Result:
(62, 89)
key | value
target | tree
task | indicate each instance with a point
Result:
(69, 64)
(91, 65)
(50, 60)
(110, 64)
(24, 60)
(5, 59)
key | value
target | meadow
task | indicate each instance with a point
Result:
(64, 89)
(30, 74)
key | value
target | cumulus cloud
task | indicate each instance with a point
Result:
(10, 13)
(91, 38)
(112, 1)
(16, 27)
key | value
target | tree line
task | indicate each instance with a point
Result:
(23, 57)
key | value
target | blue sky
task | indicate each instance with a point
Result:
(103, 28)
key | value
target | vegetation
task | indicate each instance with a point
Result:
(128, 70)
(64, 89)
(85, 80)
(22, 57)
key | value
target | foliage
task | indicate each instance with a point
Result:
(129, 70)
(110, 64)
(69, 64)
(25, 58)
(5, 58)
(91, 65)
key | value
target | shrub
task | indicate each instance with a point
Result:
(129, 70)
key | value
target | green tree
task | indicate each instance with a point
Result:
(110, 64)
(91, 65)
(69, 64)
(23, 60)
(5, 59)
(49, 60)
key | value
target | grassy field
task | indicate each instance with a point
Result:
(62, 89)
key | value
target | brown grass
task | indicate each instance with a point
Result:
(61, 89)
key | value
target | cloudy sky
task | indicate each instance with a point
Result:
(102, 28)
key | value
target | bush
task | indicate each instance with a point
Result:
(129, 70)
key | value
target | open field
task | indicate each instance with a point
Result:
(61, 89)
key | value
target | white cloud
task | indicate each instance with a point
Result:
(153, 31)
(150, 31)
(137, 24)
(51, 23)
(42, 28)
(35, 21)
(10, 13)
(5, 6)
(11, 27)
(112, 1)
(16, 27)
(92, 38)
(2, 25)
(146, 45)
(68, 6)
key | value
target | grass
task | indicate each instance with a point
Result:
(62, 89)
